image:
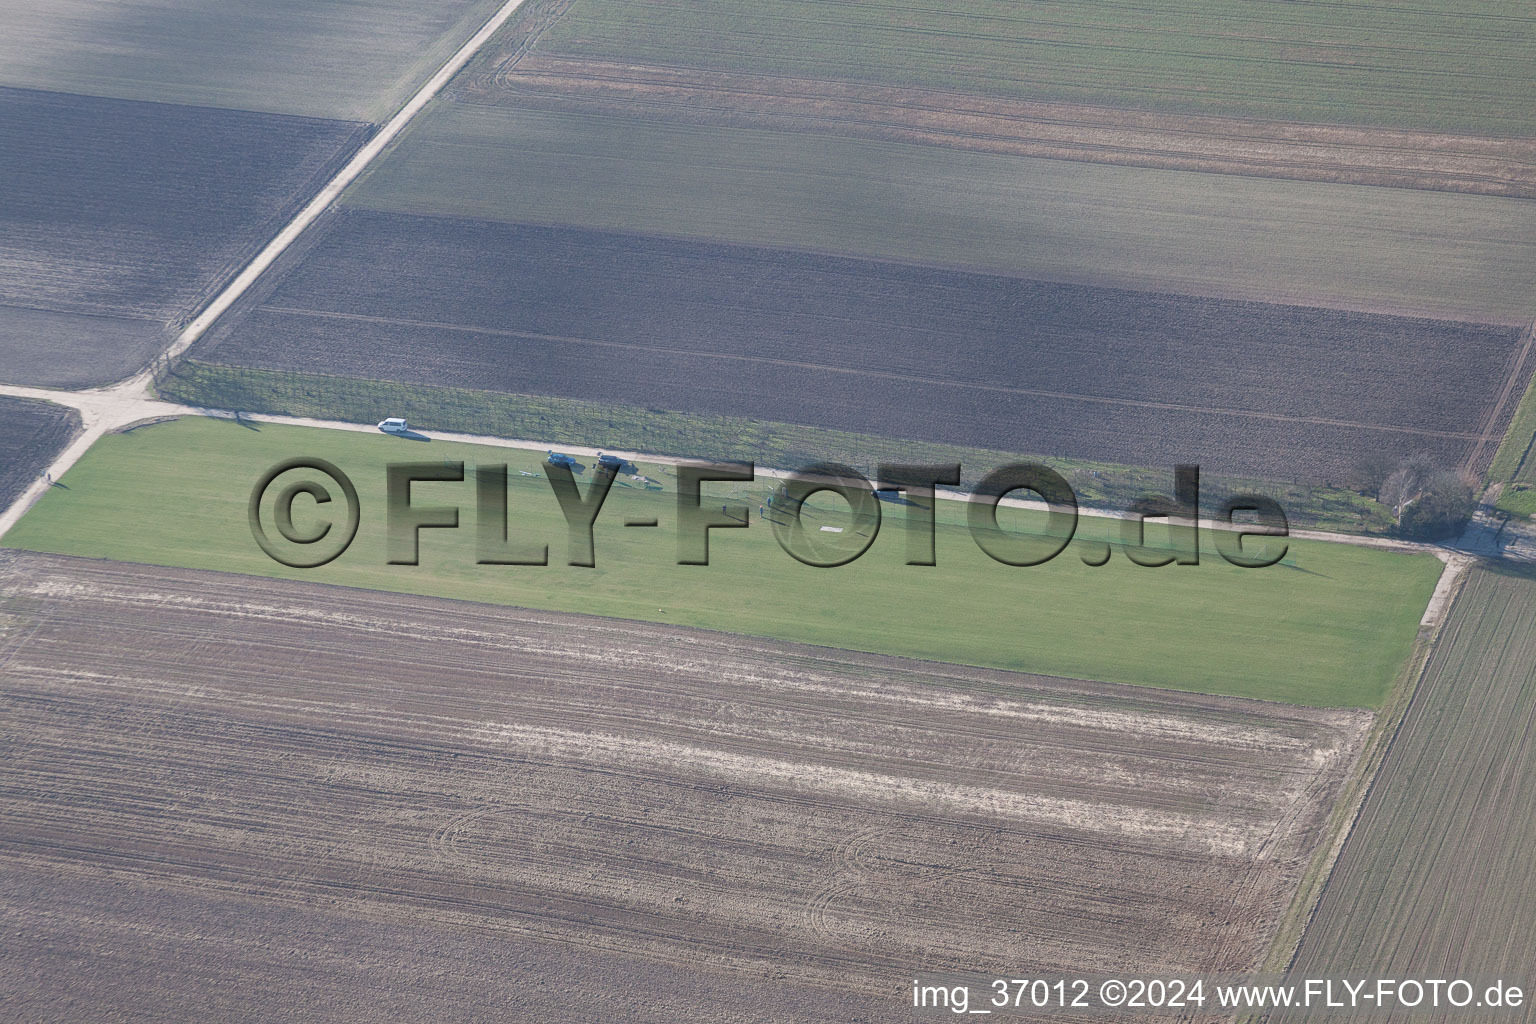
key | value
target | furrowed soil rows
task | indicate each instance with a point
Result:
(1430, 65)
(31, 434)
(119, 218)
(1393, 250)
(1058, 370)
(1072, 131)
(1436, 879)
(673, 824)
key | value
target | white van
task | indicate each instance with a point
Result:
(394, 425)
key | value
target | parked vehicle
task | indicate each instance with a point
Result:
(616, 464)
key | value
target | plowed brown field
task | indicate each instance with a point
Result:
(228, 798)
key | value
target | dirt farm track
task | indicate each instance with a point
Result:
(282, 801)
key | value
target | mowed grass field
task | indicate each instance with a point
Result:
(1432, 64)
(1441, 255)
(355, 61)
(1332, 629)
(1437, 877)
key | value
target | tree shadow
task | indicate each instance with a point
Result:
(897, 498)
(1516, 568)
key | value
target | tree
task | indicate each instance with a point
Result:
(1404, 484)
(1444, 504)
(1370, 472)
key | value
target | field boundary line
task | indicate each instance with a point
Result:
(553, 15)
(1525, 456)
(328, 194)
(1496, 412)
(1456, 567)
(108, 410)
(771, 473)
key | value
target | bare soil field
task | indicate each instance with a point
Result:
(31, 435)
(1069, 131)
(1436, 879)
(70, 350)
(119, 218)
(933, 355)
(286, 801)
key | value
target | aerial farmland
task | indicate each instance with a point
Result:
(31, 436)
(1426, 66)
(1434, 877)
(1340, 621)
(637, 796)
(791, 511)
(1237, 270)
(980, 360)
(113, 253)
(140, 175)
